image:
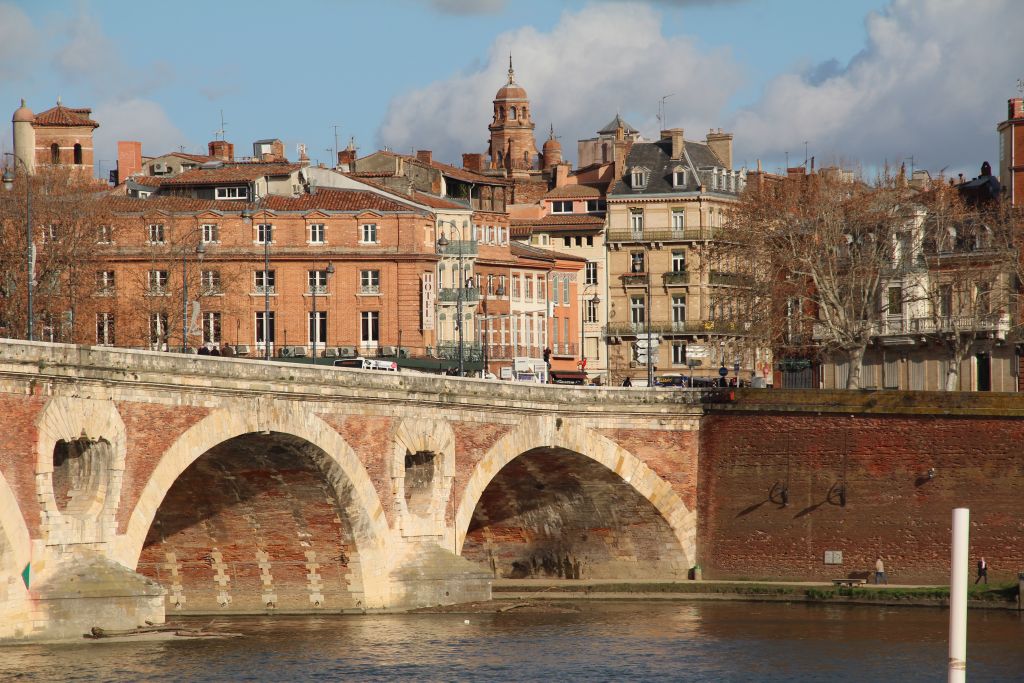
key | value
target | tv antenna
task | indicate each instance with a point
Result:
(223, 126)
(336, 127)
(1020, 85)
(806, 158)
(661, 109)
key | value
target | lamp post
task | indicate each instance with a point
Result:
(8, 181)
(583, 321)
(200, 251)
(443, 242)
(647, 318)
(316, 285)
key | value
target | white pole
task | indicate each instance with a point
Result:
(958, 597)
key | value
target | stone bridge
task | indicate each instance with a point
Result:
(135, 483)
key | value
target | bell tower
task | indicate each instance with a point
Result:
(512, 145)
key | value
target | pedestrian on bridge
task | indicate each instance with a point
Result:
(880, 572)
(982, 571)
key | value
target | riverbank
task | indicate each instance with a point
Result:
(1002, 596)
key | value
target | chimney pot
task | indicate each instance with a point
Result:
(424, 155)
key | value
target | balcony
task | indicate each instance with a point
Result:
(663, 235)
(449, 350)
(564, 350)
(700, 327)
(264, 289)
(369, 290)
(679, 278)
(448, 295)
(721, 278)
(157, 291)
(998, 324)
(319, 290)
(459, 248)
(634, 280)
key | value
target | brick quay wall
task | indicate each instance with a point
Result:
(785, 476)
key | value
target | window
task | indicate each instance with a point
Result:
(211, 233)
(265, 233)
(567, 241)
(316, 281)
(368, 233)
(678, 309)
(316, 233)
(565, 291)
(590, 273)
(78, 154)
(105, 282)
(983, 298)
(895, 301)
(51, 233)
(636, 262)
(512, 113)
(679, 178)
(232, 193)
(636, 222)
(561, 206)
(264, 327)
(639, 178)
(369, 282)
(636, 310)
(516, 287)
(678, 353)
(678, 219)
(105, 329)
(543, 239)
(369, 327)
(589, 240)
(158, 329)
(945, 300)
(317, 327)
(595, 205)
(528, 288)
(157, 282)
(55, 153)
(503, 284)
(211, 327)
(265, 281)
(678, 261)
(590, 311)
(103, 234)
(156, 233)
(210, 282)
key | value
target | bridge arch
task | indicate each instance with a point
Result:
(298, 426)
(542, 438)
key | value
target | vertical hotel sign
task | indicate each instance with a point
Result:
(428, 297)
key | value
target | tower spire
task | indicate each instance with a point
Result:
(511, 73)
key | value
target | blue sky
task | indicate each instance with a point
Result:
(863, 81)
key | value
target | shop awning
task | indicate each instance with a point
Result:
(568, 376)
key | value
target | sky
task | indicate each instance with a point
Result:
(860, 83)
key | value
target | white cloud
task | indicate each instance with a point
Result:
(18, 41)
(602, 59)
(931, 82)
(135, 119)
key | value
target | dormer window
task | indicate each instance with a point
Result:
(232, 193)
(679, 177)
(639, 178)
(561, 206)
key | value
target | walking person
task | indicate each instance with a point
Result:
(982, 571)
(880, 572)
(627, 382)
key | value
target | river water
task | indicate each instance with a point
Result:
(690, 641)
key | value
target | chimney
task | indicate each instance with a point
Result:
(277, 150)
(561, 174)
(796, 172)
(721, 144)
(424, 155)
(347, 159)
(1016, 108)
(473, 162)
(620, 149)
(129, 159)
(676, 135)
(222, 149)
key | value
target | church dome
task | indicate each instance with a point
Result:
(552, 145)
(511, 90)
(23, 114)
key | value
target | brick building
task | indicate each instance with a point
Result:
(1011, 151)
(58, 136)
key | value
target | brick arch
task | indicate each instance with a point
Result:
(545, 432)
(342, 468)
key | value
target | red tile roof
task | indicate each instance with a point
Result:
(467, 176)
(337, 199)
(530, 251)
(147, 180)
(232, 173)
(65, 116)
(573, 192)
(124, 204)
(568, 221)
(518, 232)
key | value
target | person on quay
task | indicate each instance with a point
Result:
(880, 572)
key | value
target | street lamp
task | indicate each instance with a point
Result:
(200, 252)
(443, 242)
(583, 320)
(500, 292)
(316, 285)
(8, 181)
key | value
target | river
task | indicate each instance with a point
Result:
(604, 641)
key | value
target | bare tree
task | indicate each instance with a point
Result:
(817, 252)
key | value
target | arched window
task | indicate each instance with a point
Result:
(55, 153)
(512, 114)
(78, 154)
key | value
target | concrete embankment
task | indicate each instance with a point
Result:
(983, 597)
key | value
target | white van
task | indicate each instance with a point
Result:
(367, 364)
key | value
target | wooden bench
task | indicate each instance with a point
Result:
(850, 583)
